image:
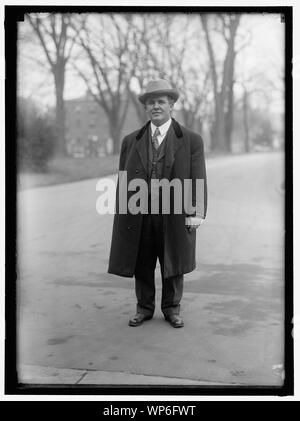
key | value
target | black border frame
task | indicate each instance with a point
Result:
(13, 14)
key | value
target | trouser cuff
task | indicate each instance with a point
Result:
(168, 311)
(144, 310)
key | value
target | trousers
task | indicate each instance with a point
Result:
(151, 247)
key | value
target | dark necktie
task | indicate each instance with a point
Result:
(154, 138)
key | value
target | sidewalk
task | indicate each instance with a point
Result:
(32, 374)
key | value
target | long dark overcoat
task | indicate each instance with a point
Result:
(184, 159)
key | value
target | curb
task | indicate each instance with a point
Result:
(33, 375)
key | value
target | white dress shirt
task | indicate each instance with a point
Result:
(162, 130)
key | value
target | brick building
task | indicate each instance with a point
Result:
(87, 128)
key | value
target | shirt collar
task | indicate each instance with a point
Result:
(163, 128)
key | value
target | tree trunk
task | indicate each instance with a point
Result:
(229, 115)
(59, 79)
(245, 120)
(115, 133)
(223, 123)
(188, 118)
(229, 100)
(218, 132)
(230, 93)
(199, 127)
(138, 108)
(229, 118)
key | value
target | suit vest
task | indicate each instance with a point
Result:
(156, 162)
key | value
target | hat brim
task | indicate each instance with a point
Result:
(173, 93)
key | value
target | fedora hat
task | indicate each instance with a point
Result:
(159, 87)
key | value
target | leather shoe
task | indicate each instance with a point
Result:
(175, 320)
(138, 319)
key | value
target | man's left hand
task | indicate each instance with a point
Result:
(193, 227)
(193, 223)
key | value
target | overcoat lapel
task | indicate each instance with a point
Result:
(173, 144)
(142, 145)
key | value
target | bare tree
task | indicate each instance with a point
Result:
(245, 101)
(57, 39)
(194, 98)
(256, 84)
(144, 56)
(227, 25)
(107, 41)
(182, 64)
(166, 46)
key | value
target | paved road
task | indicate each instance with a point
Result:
(73, 315)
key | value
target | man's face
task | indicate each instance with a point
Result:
(158, 109)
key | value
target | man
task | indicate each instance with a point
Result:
(162, 149)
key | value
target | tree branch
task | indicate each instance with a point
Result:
(36, 28)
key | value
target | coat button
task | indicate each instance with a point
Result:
(137, 170)
(128, 228)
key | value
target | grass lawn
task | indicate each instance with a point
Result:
(68, 170)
